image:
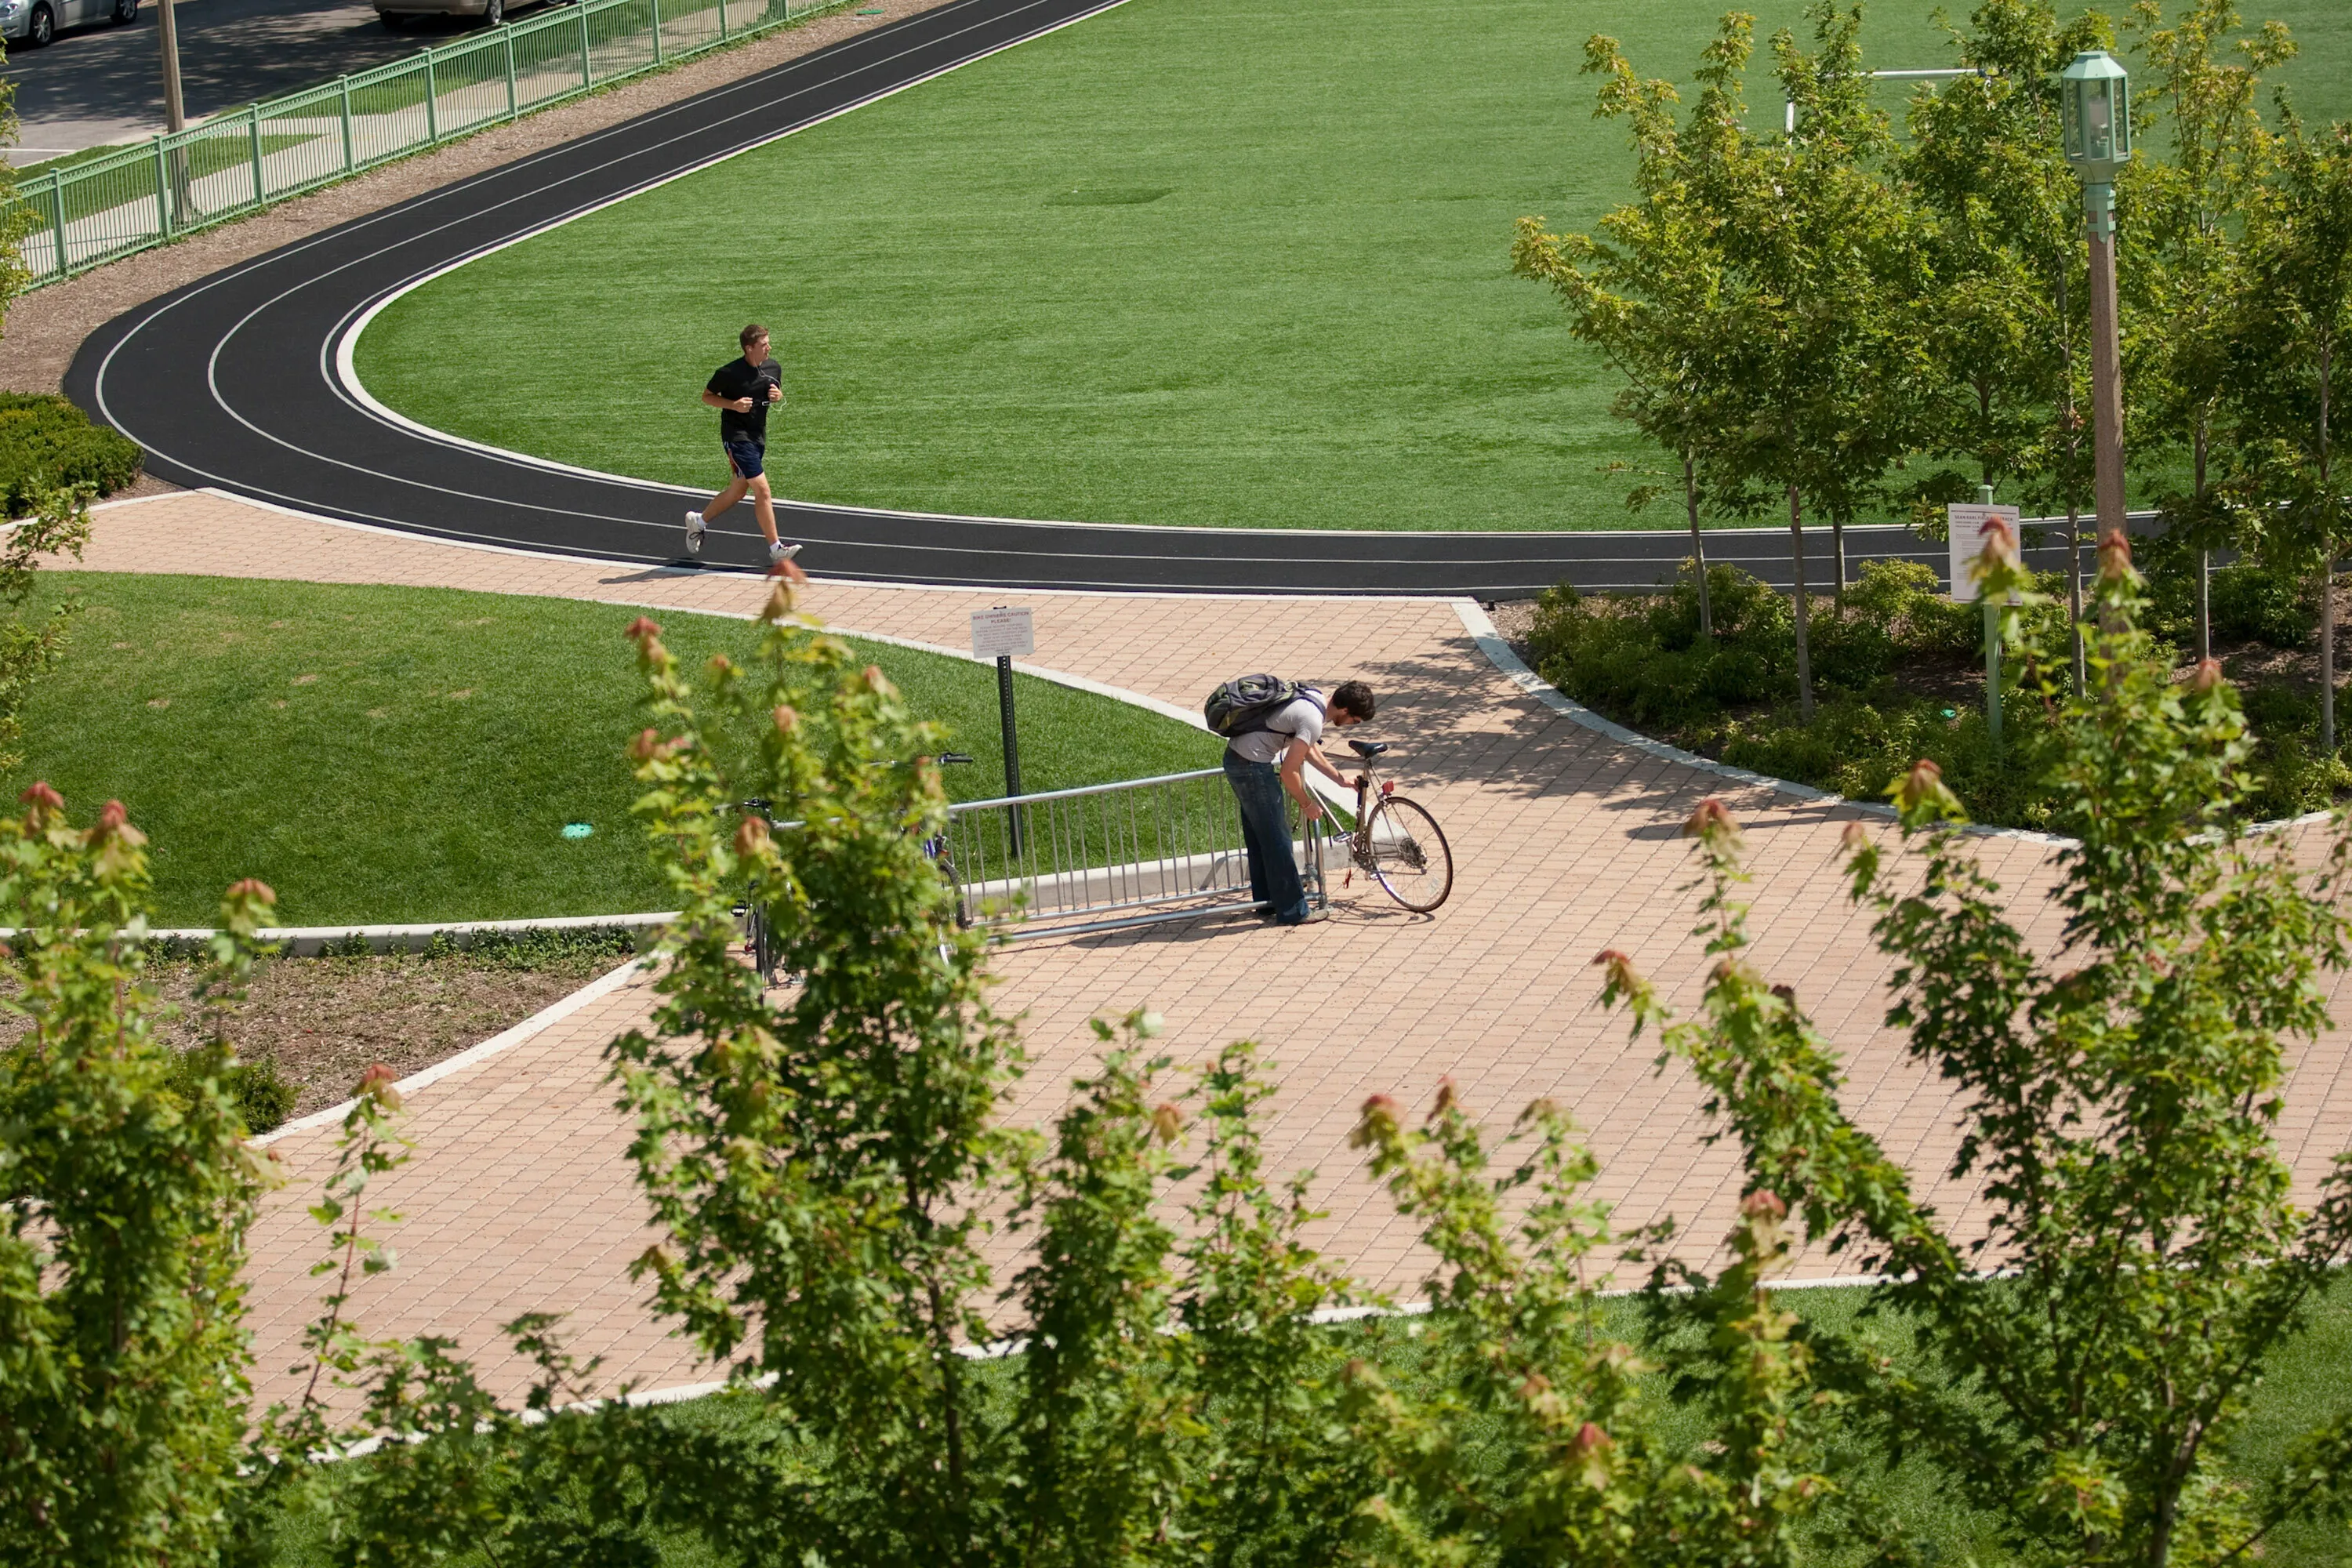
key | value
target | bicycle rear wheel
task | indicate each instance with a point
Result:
(763, 944)
(1403, 847)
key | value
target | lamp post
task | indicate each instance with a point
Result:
(2095, 115)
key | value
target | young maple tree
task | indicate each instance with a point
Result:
(2082, 1364)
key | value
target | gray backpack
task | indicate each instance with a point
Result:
(1243, 705)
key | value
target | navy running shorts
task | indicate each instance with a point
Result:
(746, 457)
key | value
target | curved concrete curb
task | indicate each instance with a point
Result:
(310, 942)
(596, 990)
(1515, 669)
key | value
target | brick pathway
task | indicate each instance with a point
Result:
(1566, 842)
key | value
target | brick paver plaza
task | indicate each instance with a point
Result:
(521, 1198)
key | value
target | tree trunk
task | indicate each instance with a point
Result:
(2327, 568)
(1837, 550)
(1699, 547)
(2204, 557)
(1804, 657)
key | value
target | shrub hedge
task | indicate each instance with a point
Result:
(1640, 659)
(47, 443)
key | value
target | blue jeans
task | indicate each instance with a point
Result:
(1265, 831)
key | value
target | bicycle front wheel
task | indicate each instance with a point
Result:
(1403, 847)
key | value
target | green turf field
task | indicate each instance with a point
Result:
(387, 754)
(1191, 261)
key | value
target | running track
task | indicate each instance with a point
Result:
(241, 382)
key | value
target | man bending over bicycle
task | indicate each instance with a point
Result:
(1266, 757)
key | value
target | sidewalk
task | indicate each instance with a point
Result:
(1565, 842)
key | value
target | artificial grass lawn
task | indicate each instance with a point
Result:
(1190, 261)
(2303, 1388)
(394, 754)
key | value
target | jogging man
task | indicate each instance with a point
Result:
(742, 390)
(1268, 757)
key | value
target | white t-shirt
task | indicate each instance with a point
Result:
(1296, 719)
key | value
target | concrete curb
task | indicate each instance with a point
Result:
(1515, 669)
(310, 942)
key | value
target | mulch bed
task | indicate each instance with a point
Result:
(328, 1020)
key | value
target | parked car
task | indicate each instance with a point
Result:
(397, 14)
(33, 23)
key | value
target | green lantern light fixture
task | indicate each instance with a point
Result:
(2094, 104)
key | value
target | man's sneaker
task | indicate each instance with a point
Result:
(693, 532)
(780, 550)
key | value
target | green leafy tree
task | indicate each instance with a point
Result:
(823, 1159)
(2290, 345)
(2004, 230)
(1647, 290)
(2120, 1100)
(2006, 317)
(1824, 265)
(1528, 1436)
(2189, 270)
(126, 1185)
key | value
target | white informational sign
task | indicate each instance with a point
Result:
(1002, 634)
(1967, 525)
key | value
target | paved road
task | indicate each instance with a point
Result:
(233, 382)
(101, 85)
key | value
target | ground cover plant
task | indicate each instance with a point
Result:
(388, 754)
(1899, 670)
(1209, 264)
(826, 1159)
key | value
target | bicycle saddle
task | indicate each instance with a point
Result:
(1368, 748)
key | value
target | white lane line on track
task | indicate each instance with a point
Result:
(701, 127)
(408, 533)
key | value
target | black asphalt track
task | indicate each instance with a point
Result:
(232, 383)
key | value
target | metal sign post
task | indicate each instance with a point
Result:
(1002, 634)
(1968, 524)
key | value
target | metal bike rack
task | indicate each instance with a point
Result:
(1112, 856)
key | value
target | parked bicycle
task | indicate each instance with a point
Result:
(759, 940)
(1395, 840)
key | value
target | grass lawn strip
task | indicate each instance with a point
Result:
(386, 755)
(1206, 263)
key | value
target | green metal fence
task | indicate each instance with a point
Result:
(234, 164)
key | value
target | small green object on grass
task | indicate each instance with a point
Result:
(577, 830)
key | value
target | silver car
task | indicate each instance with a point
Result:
(33, 23)
(397, 14)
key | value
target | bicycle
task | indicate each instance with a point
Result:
(1395, 840)
(759, 940)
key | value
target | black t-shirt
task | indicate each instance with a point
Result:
(740, 378)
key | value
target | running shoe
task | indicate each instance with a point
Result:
(780, 550)
(693, 532)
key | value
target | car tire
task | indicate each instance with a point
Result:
(494, 13)
(41, 28)
(125, 12)
(392, 20)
